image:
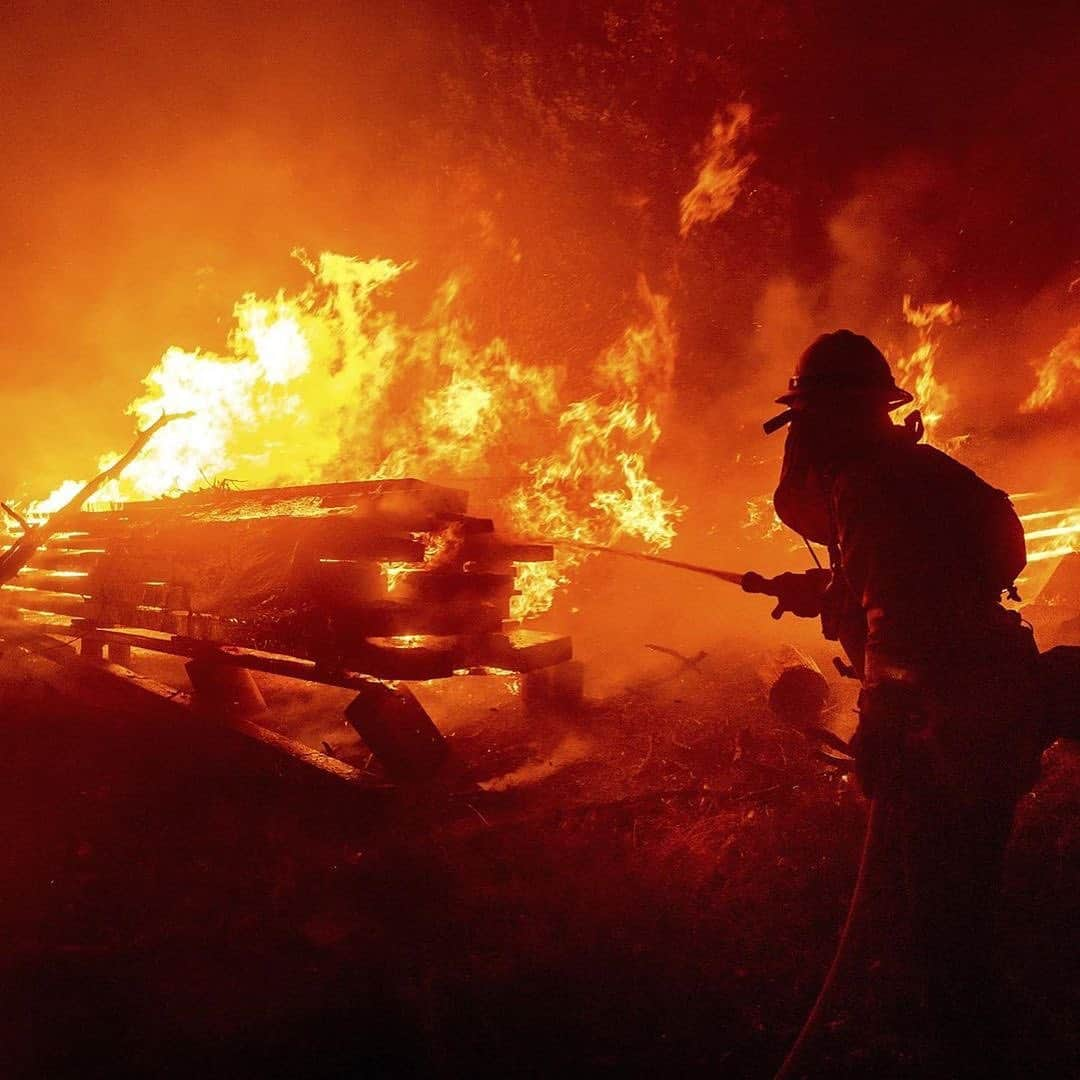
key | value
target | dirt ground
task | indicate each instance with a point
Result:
(653, 883)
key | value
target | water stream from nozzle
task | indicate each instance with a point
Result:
(729, 576)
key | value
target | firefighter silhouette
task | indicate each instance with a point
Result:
(922, 553)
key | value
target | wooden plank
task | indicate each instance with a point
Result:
(466, 525)
(15, 624)
(390, 499)
(64, 559)
(441, 586)
(148, 695)
(496, 548)
(409, 657)
(336, 582)
(298, 752)
(270, 663)
(430, 657)
(63, 581)
(352, 544)
(155, 546)
(522, 650)
(39, 600)
(74, 542)
(393, 620)
(154, 594)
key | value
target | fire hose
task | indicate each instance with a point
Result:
(754, 583)
(749, 581)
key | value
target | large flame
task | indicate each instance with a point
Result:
(328, 384)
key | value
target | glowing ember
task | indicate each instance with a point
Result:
(407, 641)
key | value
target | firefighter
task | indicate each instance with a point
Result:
(922, 553)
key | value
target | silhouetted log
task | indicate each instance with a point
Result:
(398, 731)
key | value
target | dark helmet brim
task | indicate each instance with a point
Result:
(893, 397)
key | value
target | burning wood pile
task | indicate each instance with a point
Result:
(345, 583)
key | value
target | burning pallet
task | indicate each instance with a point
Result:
(350, 584)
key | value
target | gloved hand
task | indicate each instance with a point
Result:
(801, 594)
(890, 716)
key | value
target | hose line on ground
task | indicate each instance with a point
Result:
(814, 1018)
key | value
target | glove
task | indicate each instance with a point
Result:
(889, 716)
(801, 594)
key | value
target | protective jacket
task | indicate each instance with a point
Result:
(922, 550)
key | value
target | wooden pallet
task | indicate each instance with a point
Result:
(341, 584)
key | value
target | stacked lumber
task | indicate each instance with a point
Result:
(385, 578)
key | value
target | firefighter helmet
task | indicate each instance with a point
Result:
(839, 363)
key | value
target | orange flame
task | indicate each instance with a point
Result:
(721, 172)
(916, 372)
(1058, 371)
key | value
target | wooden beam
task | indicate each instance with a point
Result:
(39, 600)
(440, 586)
(494, 548)
(399, 732)
(62, 559)
(149, 698)
(63, 581)
(522, 650)
(391, 499)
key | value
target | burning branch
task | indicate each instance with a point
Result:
(20, 552)
(24, 525)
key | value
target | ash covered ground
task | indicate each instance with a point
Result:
(653, 882)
